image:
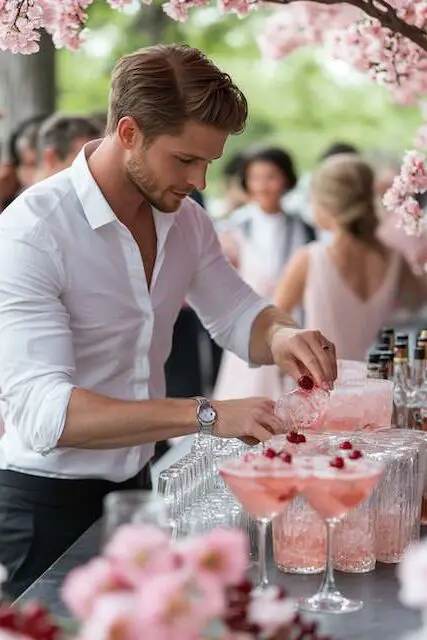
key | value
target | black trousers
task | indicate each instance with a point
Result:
(41, 517)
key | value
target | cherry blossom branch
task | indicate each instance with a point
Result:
(380, 10)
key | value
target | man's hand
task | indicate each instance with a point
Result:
(298, 352)
(250, 419)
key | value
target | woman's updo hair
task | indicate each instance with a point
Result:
(273, 155)
(343, 185)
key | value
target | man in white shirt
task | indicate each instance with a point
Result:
(95, 263)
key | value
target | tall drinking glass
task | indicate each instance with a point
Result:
(133, 507)
(334, 488)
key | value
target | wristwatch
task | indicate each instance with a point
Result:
(206, 416)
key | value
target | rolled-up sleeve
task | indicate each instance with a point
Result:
(36, 349)
(226, 305)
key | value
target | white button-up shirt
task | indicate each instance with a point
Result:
(75, 311)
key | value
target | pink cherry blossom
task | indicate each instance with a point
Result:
(412, 573)
(113, 618)
(139, 550)
(270, 612)
(222, 554)
(370, 45)
(178, 605)
(85, 584)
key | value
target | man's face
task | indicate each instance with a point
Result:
(171, 167)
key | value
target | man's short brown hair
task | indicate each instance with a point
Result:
(162, 87)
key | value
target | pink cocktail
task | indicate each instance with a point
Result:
(356, 405)
(336, 486)
(264, 483)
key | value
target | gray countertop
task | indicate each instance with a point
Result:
(382, 618)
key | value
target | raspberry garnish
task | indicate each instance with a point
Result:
(270, 453)
(293, 437)
(337, 462)
(346, 445)
(286, 457)
(355, 455)
(306, 383)
(301, 438)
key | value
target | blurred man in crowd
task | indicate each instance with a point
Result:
(60, 139)
(18, 166)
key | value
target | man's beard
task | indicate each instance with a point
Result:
(146, 185)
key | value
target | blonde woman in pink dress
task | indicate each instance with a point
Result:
(260, 240)
(349, 287)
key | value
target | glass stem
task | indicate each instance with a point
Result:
(328, 586)
(262, 524)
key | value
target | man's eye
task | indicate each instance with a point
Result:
(186, 160)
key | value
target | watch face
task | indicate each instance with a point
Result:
(207, 414)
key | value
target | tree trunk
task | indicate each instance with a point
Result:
(27, 86)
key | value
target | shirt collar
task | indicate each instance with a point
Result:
(96, 209)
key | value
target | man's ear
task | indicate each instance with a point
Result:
(128, 133)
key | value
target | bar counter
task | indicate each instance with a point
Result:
(382, 618)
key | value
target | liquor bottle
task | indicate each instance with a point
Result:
(401, 341)
(373, 369)
(418, 367)
(386, 365)
(401, 385)
(422, 344)
(387, 336)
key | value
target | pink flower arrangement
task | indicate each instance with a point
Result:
(143, 584)
(413, 577)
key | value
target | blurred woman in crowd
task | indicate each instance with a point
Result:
(259, 241)
(350, 287)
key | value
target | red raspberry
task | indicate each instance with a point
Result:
(293, 437)
(270, 453)
(346, 445)
(338, 463)
(355, 455)
(301, 438)
(306, 383)
(286, 457)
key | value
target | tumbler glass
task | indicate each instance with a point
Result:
(133, 507)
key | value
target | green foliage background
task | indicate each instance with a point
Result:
(303, 103)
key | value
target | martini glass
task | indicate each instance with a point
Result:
(264, 483)
(335, 487)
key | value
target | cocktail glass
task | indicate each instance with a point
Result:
(333, 491)
(301, 410)
(357, 405)
(264, 486)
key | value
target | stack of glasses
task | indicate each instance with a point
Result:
(196, 496)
